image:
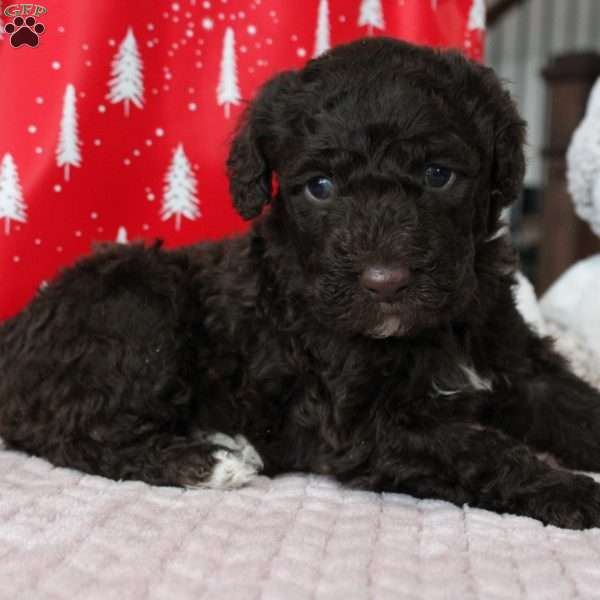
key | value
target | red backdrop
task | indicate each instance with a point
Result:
(116, 124)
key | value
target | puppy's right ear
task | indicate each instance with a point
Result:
(255, 146)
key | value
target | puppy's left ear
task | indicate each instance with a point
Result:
(508, 162)
(256, 144)
(507, 156)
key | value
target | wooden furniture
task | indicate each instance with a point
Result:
(565, 238)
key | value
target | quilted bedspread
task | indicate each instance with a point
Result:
(64, 535)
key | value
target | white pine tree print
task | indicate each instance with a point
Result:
(476, 15)
(371, 15)
(121, 236)
(228, 92)
(179, 197)
(12, 205)
(67, 151)
(127, 83)
(322, 37)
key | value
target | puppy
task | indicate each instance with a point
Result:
(364, 328)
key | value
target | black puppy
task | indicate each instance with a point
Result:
(364, 328)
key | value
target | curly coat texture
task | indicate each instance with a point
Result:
(129, 362)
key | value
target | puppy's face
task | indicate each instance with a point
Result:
(389, 180)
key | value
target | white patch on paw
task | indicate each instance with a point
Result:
(220, 439)
(230, 471)
(249, 453)
(237, 462)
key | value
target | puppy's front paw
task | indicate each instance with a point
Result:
(236, 462)
(571, 504)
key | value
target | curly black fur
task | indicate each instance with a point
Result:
(123, 364)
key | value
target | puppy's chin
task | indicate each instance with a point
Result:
(398, 320)
(390, 325)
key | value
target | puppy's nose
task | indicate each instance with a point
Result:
(384, 283)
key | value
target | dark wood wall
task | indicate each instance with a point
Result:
(565, 238)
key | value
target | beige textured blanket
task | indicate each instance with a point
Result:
(64, 536)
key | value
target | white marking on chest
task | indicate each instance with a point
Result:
(500, 232)
(388, 326)
(549, 459)
(470, 380)
(237, 462)
(479, 383)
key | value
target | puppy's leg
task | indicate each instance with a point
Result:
(200, 460)
(551, 410)
(101, 374)
(483, 468)
(132, 426)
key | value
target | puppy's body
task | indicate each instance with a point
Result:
(275, 352)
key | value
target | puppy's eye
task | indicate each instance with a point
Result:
(320, 189)
(438, 176)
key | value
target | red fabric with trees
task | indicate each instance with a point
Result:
(115, 116)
